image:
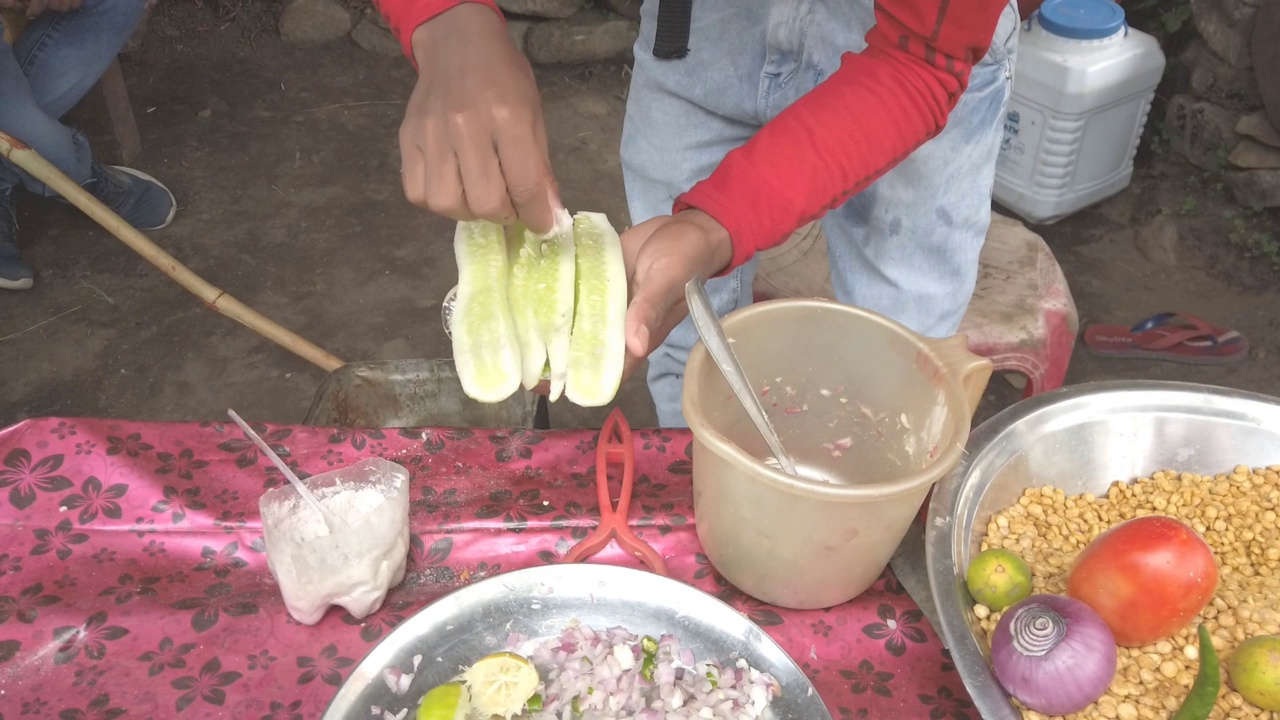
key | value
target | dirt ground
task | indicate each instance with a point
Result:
(285, 165)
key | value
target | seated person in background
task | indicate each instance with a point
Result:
(53, 52)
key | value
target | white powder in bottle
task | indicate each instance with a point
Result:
(354, 563)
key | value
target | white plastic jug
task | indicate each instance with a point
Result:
(1082, 87)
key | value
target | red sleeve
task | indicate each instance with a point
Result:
(874, 111)
(404, 16)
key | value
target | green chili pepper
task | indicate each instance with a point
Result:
(1204, 691)
(647, 667)
(535, 703)
(649, 645)
(712, 677)
(576, 706)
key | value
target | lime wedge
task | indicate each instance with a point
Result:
(445, 702)
(501, 684)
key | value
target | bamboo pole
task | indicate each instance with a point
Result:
(213, 298)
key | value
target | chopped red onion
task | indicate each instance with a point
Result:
(593, 675)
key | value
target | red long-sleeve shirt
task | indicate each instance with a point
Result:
(874, 111)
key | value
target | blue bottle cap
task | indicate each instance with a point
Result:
(1081, 19)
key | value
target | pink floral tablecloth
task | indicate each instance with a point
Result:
(133, 581)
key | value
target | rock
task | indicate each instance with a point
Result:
(554, 9)
(377, 40)
(1255, 188)
(1229, 39)
(1266, 58)
(1201, 131)
(307, 22)
(629, 9)
(585, 38)
(1212, 78)
(1240, 10)
(1158, 242)
(205, 114)
(1257, 126)
(518, 29)
(1252, 155)
(380, 19)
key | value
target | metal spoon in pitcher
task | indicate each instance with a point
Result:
(713, 337)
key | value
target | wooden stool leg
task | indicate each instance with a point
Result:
(124, 127)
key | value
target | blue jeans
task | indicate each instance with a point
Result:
(906, 247)
(56, 60)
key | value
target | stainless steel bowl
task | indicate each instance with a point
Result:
(1081, 439)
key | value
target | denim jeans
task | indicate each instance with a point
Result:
(906, 247)
(56, 60)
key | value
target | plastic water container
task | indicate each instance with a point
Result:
(1082, 88)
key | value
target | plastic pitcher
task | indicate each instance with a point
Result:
(872, 413)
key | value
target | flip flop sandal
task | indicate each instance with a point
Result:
(1175, 337)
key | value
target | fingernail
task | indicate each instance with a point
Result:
(643, 334)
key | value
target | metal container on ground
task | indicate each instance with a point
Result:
(409, 394)
(1081, 439)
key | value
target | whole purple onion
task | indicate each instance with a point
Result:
(1053, 653)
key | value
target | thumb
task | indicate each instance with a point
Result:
(658, 285)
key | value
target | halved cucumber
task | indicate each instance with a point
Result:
(485, 348)
(530, 307)
(597, 346)
(542, 293)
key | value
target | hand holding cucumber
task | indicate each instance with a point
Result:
(472, 143)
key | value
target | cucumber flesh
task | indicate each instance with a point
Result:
(553, 299)
(485, 349)
(525, 269)
(597, 345)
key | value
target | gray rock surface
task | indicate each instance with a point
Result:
(1229, 38)
(1252, 155)
(1213, 78)
(1255, 188)
(518, 30)
(542, 8)
(1266, 57)
(314, 21)
(1158, 242)
(1256, 125)
(1202, 132)
(585, 38)
(629, 9)
(375, 38)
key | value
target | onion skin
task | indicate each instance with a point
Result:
(1054, 654)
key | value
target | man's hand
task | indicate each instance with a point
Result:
(662, 255)
(473, 144)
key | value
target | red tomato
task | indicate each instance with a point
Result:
(1147, 578)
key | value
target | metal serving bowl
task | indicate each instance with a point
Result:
(1081, 439)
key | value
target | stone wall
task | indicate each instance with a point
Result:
(1224, 114)
(547, 31)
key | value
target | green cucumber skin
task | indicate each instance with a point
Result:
(484, 348)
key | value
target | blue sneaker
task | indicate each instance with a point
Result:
(133, 195)
(15, 273)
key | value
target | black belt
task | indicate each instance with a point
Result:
(671, 37)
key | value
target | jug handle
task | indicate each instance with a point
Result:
(974, 371)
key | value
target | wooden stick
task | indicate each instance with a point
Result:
(214, 298)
